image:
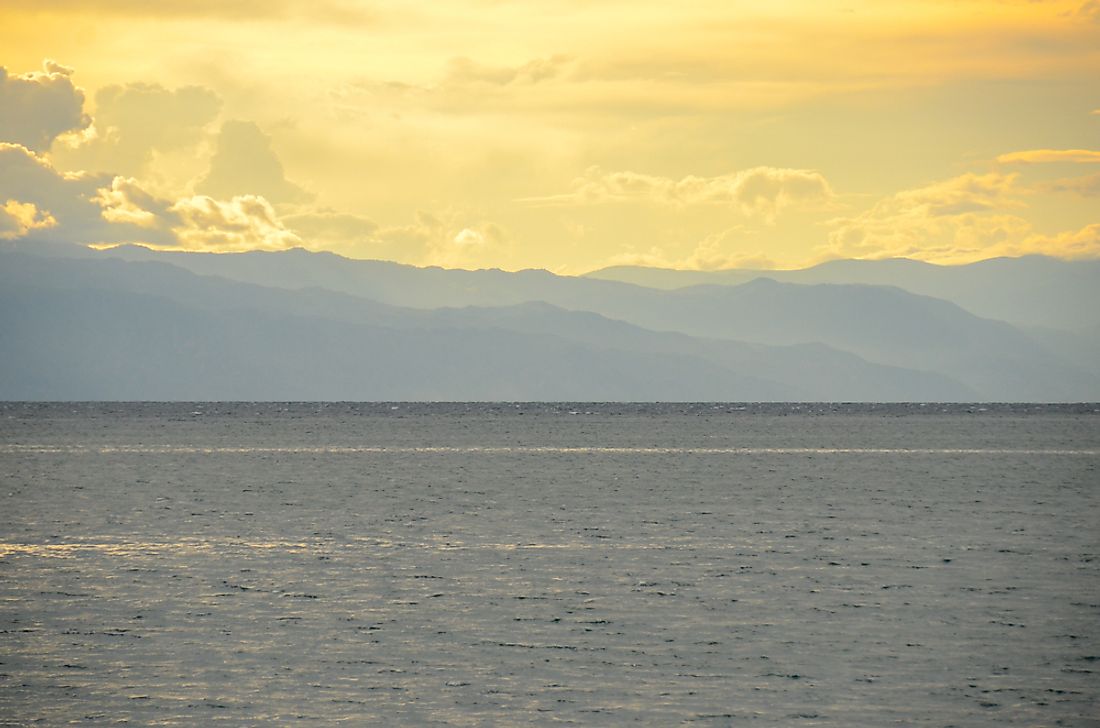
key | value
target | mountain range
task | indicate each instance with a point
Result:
(1031, 291)
(132, 323)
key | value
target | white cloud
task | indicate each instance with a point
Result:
(468, 238)
(124, 201)
(19, 218)
(245, 222)
(37, 107)
(202, 223)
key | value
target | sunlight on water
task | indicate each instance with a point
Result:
(527, 450)
(129, 549)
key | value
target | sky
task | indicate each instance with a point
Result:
(567, 135)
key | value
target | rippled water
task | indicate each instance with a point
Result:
(597, 564)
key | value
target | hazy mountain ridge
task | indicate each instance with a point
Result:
(132, 346)
(107, 329)
(886, 325)
(810, 341)
(1033, 290)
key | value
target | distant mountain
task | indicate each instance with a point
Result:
(1030, 291)
(1081, 347)
(884, 325)
(107, 329)
(397, 284)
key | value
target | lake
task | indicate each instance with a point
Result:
(595, 564)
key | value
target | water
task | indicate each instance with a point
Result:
(419, 564)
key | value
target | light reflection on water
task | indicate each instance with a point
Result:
(525, 450)
(217, 546)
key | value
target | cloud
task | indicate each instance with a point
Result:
(71, 200)
(331, 230)
(468, 238)
(1087, 186)
(719, 251)
(99, 209)
(19, 218)
(956, 218)
(477, 238)
(245, 164)
(466, 86)
(136, 120)
(1089, 9)
(1073, 244)
(472, 244)
(965, 193)
(758, 191)
(37, 107)
(125, 201)
(463, 70)
(412, 240)
(246, 222)
(449, 241)
(959, 220)
(1040, 156)
(201, 223)
(714, 252)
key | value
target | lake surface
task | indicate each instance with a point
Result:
(419, 564)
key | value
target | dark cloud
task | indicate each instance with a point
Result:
(37, 107)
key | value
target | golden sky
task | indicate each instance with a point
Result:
(566, 135)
